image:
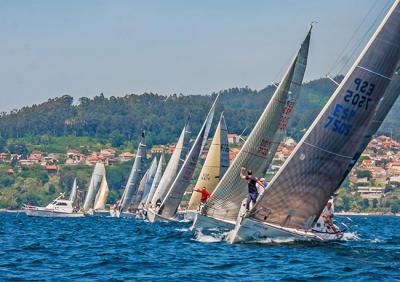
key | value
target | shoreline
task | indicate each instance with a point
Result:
(366, 214)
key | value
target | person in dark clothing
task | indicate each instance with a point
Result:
(158, 203)
(251, 185)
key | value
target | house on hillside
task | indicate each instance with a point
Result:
(367, 192)
(51, 169)
(35, 156)
(233, 138)
(4, 156)
(126, 156)
(157, 149)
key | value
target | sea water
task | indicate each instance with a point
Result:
(110, 249)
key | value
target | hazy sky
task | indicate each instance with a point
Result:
(82, 48)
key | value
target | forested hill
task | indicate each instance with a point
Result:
(161, 118)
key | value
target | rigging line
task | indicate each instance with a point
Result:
(341, 54)
(362, 40)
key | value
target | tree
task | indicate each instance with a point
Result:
(117, 139)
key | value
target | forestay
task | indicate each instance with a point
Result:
(225, 202)
(98, 172)
(135, 176)
(324, 156)
(173, 166)
(172, 200)
(215, 165)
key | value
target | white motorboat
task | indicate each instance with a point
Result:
(58, 208)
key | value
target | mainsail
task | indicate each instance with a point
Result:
(149, 182)
(102, 195)
(325, 155)
(136, 174)
(172, 200)
(138, 195)
(225, 202)
(98, 172)
(74, 189)
(156, 181)
(215, 165)
(173, 166)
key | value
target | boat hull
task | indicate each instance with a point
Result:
(152, 217)
(254, 230)
(50, 213)
(207, 222)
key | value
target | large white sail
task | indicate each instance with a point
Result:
(102, 195)
(149, 183)
(74, 189)
(225, 202)
(173, 166)
(172, 200)
(135, 176)
(156, 181)
(325, 155)
(215, 165)
(98, 172)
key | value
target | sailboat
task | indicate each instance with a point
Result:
(149, 179)
(156, 181)
(170, 204)
(74, 191)
(291, 207)
(214, 168)
(173, 166)
(222, 208)
(99, 172)
(101, 198)
(132, 185)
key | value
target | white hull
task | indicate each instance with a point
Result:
(254, 230)
(152, 217)
(50, 213)
(206, 222)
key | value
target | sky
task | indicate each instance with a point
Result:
(83, 48)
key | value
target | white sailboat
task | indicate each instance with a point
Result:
(99, 172)
(170, 204)
(222, 208)
(132, 185)
(214, 168)
(156, 181)
(148, 184)
(291, 207)
(173, 166)
(101, 198)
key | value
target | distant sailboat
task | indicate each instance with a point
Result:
(74, 190)
(149, 179)
(222, 208)
(102, 195)
(133, 182)
(214, 168)
(98, 172)
(292, 205)
(170, 204)
(156, 181)
(173, 166)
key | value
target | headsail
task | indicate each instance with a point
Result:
(136, 174)
(102, 195)
(74, 189)
(98, 172)
(172, 200)
(215, 165)
(173, 166)
(226, 200)
(138, 195)
(324, 156)
(149, 182)
(157, 178)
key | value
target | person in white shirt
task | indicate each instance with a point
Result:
(327, 214)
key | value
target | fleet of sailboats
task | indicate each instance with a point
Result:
(291, 206)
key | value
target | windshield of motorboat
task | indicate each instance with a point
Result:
(61, 204)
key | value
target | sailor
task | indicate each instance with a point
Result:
(204, 194)
(158, 203)
(251, 185)
(327, 214)
(261, 188)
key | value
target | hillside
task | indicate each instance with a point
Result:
(121, 119)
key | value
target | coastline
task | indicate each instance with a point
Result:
(366, 214)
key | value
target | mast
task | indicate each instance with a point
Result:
(215, 165)
(325, 154)
(225, 202)
(172, 200)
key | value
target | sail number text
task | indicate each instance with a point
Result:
(361, 95)
(339, 120)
